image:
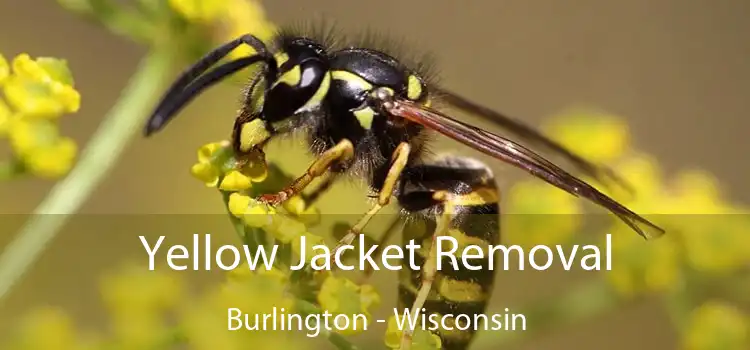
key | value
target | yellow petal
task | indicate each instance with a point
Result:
(543, 214)
(596, 136)
(25, 66)
(4, 69)
(258, 215)
(235, 181)
(421, 340)
(643, 172)
(238, 204)
(27, 135)
(537, 197)
(295, 205)
(206, 173)
(717, 325)
(5, 117)
(68, 97)
(311, 240)
(43, 69)
(57, 327)
(42, 87)
(54, 161)
(202, 11)
(207, 151)
(247, 17)
(275, 275)
(698, 193)
(56, 69)
(286, 229)
(40, 99)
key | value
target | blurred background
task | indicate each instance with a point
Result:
(675, 71)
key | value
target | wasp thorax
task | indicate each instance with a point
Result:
(302, 81)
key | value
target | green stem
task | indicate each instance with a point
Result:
(107, 144)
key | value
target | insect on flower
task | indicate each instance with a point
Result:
(366, 114)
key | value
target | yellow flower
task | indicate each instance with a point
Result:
(37, 92)
(717, 326)
(244, 17)
(138, 300)
(53, 161)
(714, 234)
(640, 266)
(135, 287)
(44, 69)
(275, 275)
(252, 212)
(232, 17)
(340, 296)
(208, 169)
(209, 150)
(215, 161)
(539, 213)
(254, 294)
(296, 206)
(721, 246)
(702, 229)
(596, 136)
(235, 181)
(643, 173)
(4, 69)
(652, 199)
(56, 327)
(311, 240)
(41, 148)
(206, 173)
(421, 340)
(285, 229)
(42, 87)
(201, 11)
(256, 214)
(238, 204)
(6, 116)
(28, 135)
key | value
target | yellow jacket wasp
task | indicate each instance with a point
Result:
(365, 113)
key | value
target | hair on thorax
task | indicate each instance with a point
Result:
(331, 37)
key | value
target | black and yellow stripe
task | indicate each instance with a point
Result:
(473, 200)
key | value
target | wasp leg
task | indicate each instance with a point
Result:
(459, 203)
(341, 152)
(323, 187)
(398, 163)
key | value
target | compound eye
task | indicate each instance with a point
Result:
(416, 90)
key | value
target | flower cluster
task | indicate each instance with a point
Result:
(706, 241)
(155, 310)
(422, 339)
(189, 27)
(231, 18)
(241, 181)
(717, 325)
(37, 92)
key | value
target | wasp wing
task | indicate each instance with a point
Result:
(528, 133)
(519, 156)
